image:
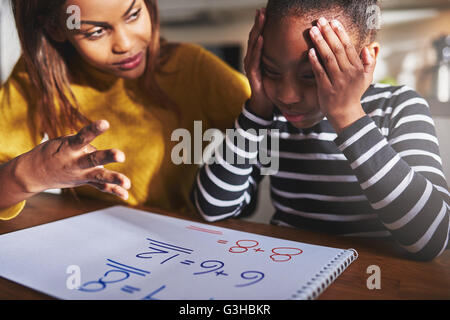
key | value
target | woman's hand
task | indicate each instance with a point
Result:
(342, 76)
(259, 103)
(72, 161)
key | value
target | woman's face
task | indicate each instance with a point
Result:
(288, 77)
(114, 36)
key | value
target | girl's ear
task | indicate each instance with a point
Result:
(374, 49)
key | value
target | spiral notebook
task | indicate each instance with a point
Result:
(124, 253)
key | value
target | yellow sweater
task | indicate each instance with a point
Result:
(203, 87)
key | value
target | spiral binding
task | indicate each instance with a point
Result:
(313, 288)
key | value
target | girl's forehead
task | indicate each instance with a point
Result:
(291, 34)
(287, 36)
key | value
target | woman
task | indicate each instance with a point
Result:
(114, 67)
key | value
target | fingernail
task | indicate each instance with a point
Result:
(312, 52)
(323, 22)
(127, 184)
(315, 30)
(103, 125)
(336, 24)
(120, 157)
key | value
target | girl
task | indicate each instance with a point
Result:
(113, 67)
(355, 158)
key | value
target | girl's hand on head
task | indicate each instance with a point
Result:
(72, 161)
(342, 76)
(259, 103)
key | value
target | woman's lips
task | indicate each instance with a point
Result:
(131, 63)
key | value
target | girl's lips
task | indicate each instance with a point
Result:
(294, 117)
(131, 63)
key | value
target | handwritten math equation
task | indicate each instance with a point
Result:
(280, 254)
(163, 253)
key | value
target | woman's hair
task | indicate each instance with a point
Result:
(47, 66)
(361, 13)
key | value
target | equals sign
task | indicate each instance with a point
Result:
(130, 289)
(187, 262)
(222, 241)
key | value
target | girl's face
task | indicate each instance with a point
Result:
(288, 77)
(114, 36)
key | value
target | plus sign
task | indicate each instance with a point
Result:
(221, 273)
(258, 250)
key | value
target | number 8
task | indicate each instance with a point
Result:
(288, 255)
(242, 249)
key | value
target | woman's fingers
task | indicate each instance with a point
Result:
(88, 134)
(112, 189)
(101, 158)
(103, 176)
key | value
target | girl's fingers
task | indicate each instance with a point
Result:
(251, 42)
(368, 61)
(256, 30)
(111, 188)
(101, 158)
(103, 176)
(324, 51)
(320, 74)
(88, 134)
(255, 33)
(346, 42)
(255, 63)
(335, 44)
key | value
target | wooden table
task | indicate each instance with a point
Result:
(400, 278)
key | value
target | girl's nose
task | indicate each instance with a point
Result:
(288, 93)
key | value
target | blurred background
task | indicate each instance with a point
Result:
(414, 38)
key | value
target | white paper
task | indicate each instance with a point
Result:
(123, 253)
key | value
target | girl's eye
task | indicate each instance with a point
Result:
(308, 77)
(97, 34)
(134, 16)
(268, 72)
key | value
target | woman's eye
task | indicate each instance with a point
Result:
(134, 16)
(95, 35)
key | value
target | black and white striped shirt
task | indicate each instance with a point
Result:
(381, 177)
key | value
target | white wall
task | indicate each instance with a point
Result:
(9, 42)
(443, 133)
